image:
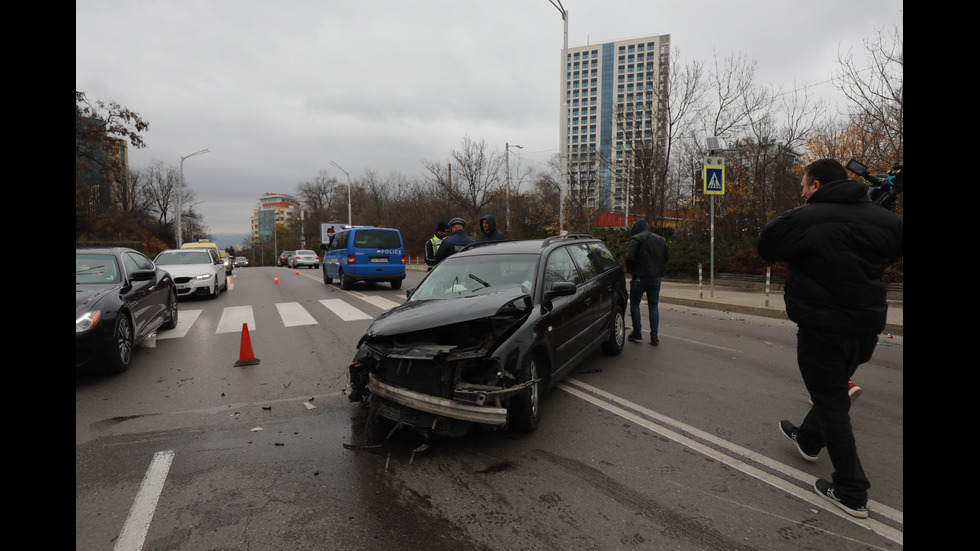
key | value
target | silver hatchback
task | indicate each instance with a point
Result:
(305, 258)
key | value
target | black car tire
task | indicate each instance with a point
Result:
(326, 280)
(122, 340)
(345, 283)
(617, 334)
(396, 284)
(525, 408)
(172, 307)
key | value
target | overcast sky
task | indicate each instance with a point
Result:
(278, 90)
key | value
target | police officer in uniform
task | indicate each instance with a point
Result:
(432, 245)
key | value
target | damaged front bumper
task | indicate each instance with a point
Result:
(471, 404)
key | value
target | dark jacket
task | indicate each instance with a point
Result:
(494, 234)
(452, 244)
(836, 247)
(647, 252)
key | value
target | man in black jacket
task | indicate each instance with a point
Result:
(646, 257)
(837, 246)
(456, 240)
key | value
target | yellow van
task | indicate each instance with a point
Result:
(205, 244)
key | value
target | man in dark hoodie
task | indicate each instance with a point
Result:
(645, 261)
(488, 229)
(836, 246)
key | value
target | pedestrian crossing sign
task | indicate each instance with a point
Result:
(714, 179)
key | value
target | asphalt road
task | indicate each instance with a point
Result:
(668, 447)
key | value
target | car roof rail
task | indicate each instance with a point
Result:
(485, 243)
(552, 239)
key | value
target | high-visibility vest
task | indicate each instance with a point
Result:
(436, 241)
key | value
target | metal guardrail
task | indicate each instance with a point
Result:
(895, 290)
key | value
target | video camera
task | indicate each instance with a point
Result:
(884, 187)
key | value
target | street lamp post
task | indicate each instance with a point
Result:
(563, 120)
(507, 147)
(350, 221)
(180, 193)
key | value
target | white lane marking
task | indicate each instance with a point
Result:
(293, 314)
(643, 418)
(185, 319)
(138, 522)
(233, 317)
(380, 302)
(343, 310)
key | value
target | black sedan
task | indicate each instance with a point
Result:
(487, 331)
(121, 298)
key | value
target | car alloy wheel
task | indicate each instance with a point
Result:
(172, 307)
(525, 412)
(123, 341)
(617, 334)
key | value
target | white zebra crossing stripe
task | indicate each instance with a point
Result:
(185, 319)
(343, 310)
(233, 317)
(293, 314)
(380, 302)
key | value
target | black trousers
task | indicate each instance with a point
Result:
(827, 362)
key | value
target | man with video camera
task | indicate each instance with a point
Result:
(836, 246)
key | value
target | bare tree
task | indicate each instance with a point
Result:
(875, 91)
(471, 180)
(317, 195)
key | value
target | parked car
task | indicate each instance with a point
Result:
(241, 262)
(365, 254)
(487, 331)
(121, 298)
(195, 271)
(284, 257)
(205, 244)
(304, 257)
(228, 261)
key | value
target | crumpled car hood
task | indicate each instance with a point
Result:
(423, 314)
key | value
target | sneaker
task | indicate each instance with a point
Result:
(826, 490)
(654, 340)
(635, 336)
(853, 391)
(790, 431)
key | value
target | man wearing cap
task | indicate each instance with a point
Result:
(456, 240)
(432, 245)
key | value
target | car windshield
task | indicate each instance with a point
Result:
(305, 253)
(95, 268)
(183, 257)
(456, 276)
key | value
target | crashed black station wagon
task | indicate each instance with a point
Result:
(487, 331)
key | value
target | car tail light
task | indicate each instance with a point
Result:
(403, 259)
(350, 259)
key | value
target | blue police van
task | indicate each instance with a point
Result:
(364, 254)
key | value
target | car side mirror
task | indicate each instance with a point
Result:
(559, 289)
(142, 275)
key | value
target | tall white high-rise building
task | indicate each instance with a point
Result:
(615, 110)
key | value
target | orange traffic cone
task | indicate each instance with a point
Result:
(276, 280)
(297, 272)
(246, 357)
